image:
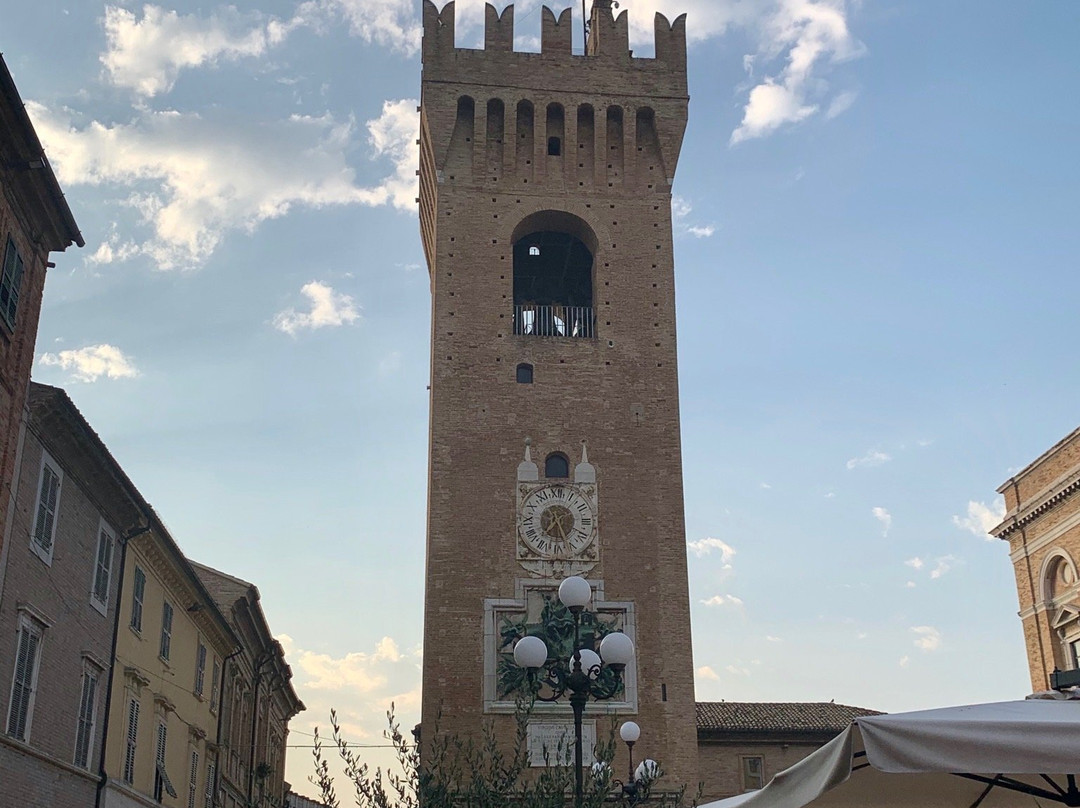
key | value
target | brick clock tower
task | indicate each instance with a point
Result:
(545, 210)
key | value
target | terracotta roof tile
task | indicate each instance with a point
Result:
(738, 716)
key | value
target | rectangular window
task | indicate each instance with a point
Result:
(193, 780)
(10, 281)
(138, 591)
(200, 670)
(45, 510)
(84, 737)
(24, 681)
(132, 741)
(159, 761)
(103, 568)
(1075, 646)
(215, 685)
(753, 773)
(211, 773)
(166, 630)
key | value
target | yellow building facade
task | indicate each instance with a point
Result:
(171, 645)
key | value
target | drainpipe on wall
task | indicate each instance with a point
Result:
(127, 536)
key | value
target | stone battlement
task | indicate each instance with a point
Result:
(608, 52)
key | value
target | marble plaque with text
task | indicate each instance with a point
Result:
(551, 743)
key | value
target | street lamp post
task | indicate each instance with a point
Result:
(582, 674)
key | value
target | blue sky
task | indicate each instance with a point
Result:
(876, 239)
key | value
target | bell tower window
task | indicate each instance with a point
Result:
(553, 277)
(524, 373)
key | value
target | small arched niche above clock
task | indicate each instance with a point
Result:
(557, 466)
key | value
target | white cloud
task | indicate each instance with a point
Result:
(393, 135)
(841, 104)
(723, 600)
(92, 362)
(904, 660)
(927, 638)
(915, 563)
(809, 32)
(982, 518)
(328, 309)
(766, 486)
(705, 672)
(192, 179)
(704, 547)
(771, 638)
(390, 364)
(390, 23)
(943, 565)
(147, 54)
(735, 670)
(680, 212)
(359, 685)
(869, 460)
(884, 517)
(910, 585)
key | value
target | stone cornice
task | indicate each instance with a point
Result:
(1048, 500)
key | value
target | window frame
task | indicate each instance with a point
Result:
(211, 774)
(557, 456)
(138, 597)
(101, 604)
(525, 369)
(193, 779)
(161, 742)
(165, 641)
(90, 673)
(746, 775)
(9, 311)
(215, 684)
(35, 630)
(131, 741)
(201, 652)
(54, 468)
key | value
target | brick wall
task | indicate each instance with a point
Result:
(619, 391)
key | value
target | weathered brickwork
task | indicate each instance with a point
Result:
(487, 179)
(1042, 526)
(53, 593)
(34, 220)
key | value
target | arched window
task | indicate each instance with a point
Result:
(553, 276)
(557, 466)
(524, 373)
(1059, 576)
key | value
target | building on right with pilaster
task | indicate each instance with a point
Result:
(1042, 526)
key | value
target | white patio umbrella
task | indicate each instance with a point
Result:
(1017, 754)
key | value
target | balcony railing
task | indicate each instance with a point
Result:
(554, 321)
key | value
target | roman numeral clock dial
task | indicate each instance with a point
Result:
(557, 523)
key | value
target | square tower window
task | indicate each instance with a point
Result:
(524, 373)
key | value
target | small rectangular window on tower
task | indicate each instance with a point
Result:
(554, 147)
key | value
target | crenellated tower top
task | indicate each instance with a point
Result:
(608, 43)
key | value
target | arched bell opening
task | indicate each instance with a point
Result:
(553, 276)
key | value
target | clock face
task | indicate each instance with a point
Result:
(557, 521)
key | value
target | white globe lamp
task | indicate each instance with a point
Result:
(530, 652)
(575, 592)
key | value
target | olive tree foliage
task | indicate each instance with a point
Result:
(468, 773)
